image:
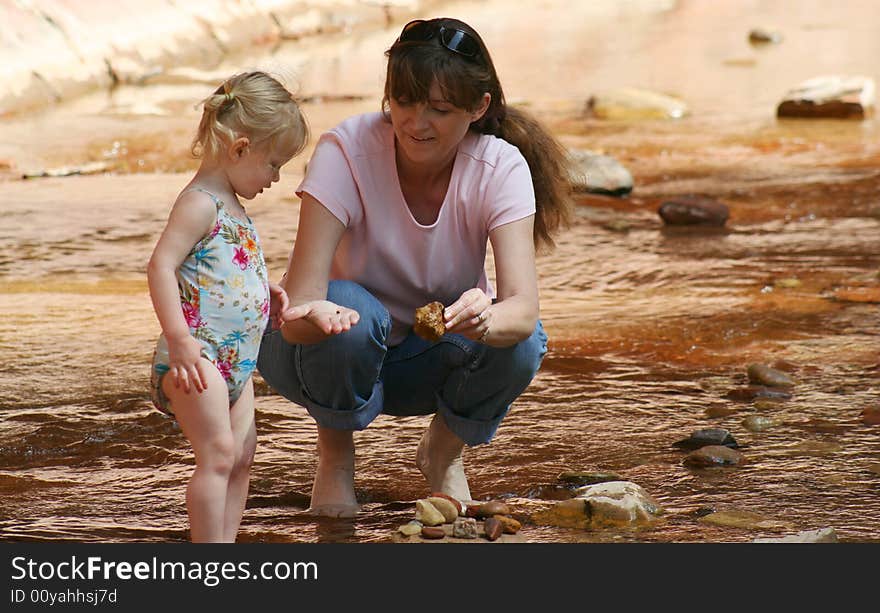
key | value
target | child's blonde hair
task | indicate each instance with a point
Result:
(255, 105)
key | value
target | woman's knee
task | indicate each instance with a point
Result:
(525, 359)
(373, 326)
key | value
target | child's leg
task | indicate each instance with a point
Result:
(244, 432)
(204, 419)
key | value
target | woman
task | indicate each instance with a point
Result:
(397, 208)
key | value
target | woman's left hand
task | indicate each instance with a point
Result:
(278, 303)
(470, 315)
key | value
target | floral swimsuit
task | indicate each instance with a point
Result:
(224, 294)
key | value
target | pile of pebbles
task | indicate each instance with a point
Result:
(440, 516)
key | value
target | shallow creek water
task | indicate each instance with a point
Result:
(649, 328)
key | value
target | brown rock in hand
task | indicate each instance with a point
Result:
(429, 322)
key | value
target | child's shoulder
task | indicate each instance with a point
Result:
(195, 208)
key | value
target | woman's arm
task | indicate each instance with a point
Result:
(513, 317)
(313, 318)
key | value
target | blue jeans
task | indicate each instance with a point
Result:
(346, 380)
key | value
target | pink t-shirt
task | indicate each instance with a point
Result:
(401, 262)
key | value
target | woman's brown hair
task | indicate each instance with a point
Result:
(413, 65)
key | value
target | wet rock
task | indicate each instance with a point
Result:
(693, 211)
(433, 532)
(871, 416)
(493, 507)
(618, 503)
(492, 528)
(719, 411)
(428, 514)
(446, 508)
(615, 504)
(577, 478)
(457, 503)
(815, 448)
(634, 103)
(759, 423)
(509, 524)
(760, 36)
(836, 96)
(412, 528)
(595, 173)
(761, 374)
(617, 225)
(768, 404)
(571, 513)
(464, 528)
(823, 535)
(754, 392)
(713, 455)
(707, 436)
(735, 518)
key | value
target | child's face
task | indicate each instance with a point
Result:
(255, 168)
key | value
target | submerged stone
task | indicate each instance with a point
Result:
(713, 455)
(635, 103)
(693, 211)
(761, 374)
(707, 436)
(572, 477)
(759, 423)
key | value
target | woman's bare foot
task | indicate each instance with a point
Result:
(333, 489)
(439, 458)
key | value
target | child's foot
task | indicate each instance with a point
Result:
(333, 489)
(439, 459)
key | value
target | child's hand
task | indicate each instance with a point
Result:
(185, 364)
(278, 303)
(328, 317)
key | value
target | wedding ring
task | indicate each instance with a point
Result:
(481, 317)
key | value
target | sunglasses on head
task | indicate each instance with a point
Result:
(457, 41)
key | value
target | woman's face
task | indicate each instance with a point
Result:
(428, 133)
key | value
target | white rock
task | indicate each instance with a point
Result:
(619, 502)
(822, 535)
(428, 514)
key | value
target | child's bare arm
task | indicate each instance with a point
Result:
(191, 218)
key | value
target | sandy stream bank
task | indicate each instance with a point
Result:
(54, 50)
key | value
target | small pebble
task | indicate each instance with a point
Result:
(493, 507)
(412, 528)
(433, 532)
(508, 524)
(493, 528)
(464, 528)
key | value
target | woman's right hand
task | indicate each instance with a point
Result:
(328, 317)
(185, 364)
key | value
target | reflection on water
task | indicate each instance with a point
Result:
(650, 328)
